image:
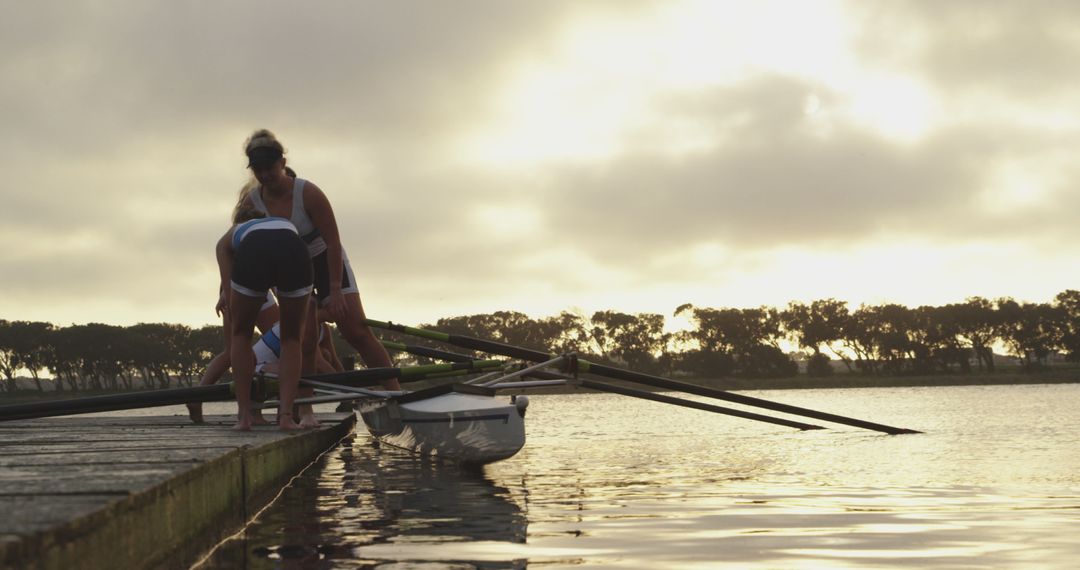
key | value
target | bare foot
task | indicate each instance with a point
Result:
(286, 423)
(308, 421)
(194, 411)
(243, 425)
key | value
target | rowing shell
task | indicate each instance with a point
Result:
(463, 423)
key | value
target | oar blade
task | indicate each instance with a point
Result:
(667, 383)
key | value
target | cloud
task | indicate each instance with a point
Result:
(773, 161)
(1018, 50)
(110, 72)
(776, 175)
(123, 126)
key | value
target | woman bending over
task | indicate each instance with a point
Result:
(253, 256)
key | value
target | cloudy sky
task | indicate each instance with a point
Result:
(542, 156)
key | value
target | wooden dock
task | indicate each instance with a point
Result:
(140, 492)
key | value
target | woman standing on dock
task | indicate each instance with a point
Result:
(306, 206)
(268, 317)
(256, 254)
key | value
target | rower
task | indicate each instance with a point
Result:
(219, 365)
(255, 254)
(277, 191)
(268, 355)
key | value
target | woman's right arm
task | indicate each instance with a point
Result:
(224, 254)
(327, 347)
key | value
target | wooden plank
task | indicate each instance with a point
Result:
(137, 492)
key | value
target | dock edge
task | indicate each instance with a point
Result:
(171, 524)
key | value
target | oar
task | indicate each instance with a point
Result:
(631, 376)
(328, 398)
(114, 402)
(426, 351)
(602, 387)
(429, 352)
(314, 400)
(224, 392)
(372, 376)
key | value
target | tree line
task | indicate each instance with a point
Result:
(884, 339)
(98, 356)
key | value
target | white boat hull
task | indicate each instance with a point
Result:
(471, 428)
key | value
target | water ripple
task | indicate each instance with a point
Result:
(995, 482)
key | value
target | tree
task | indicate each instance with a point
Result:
(749, 337)
(943, 335)
(204, 343)
(197, 347)
(1068, 303)
(859, 335)
(817, 326)
(567, 332)
(636, 340)
(7, 355)
(89, 355)
(30, 346)
(896, 344)
(156, 347)
(1030, 330)
(60, 361)
(979, 322)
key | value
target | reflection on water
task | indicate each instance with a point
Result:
(605, 480)
(361, 497)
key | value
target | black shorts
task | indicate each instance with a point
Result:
(322, 276)
(272, 258)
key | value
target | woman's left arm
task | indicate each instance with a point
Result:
(322, 215)
(224, 253)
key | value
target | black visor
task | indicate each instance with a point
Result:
(263, 156)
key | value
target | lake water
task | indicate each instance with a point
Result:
(610, 481)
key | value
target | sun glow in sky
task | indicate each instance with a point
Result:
(599, 82)
(548, 156)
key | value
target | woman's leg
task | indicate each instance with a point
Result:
(360, 337)
(264, 322)
(293, 315)
(215, 370)
(310, 365)
(243, 310)
(267, 318)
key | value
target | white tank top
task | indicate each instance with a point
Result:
(299, 216)
(268, 347)
(241, 231)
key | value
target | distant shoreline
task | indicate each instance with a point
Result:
(863, 381)
(834, 383)
(1062, 375)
